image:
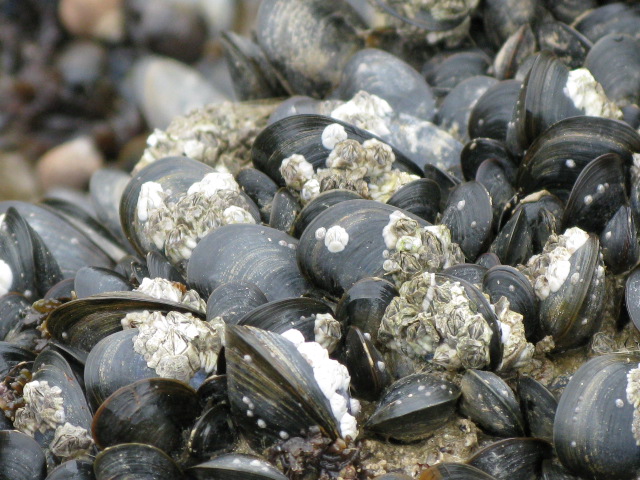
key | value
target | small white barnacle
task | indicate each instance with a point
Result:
(588, 95)
(310, 190)
(235, 214)
(326, 331)
(333, 134)
(70, 440)
(150, 198)
(164, 289)
(283, 435)
(261, 423)
(214, 182)
(336, 239)
(6, 277)
(296, 171)
(570, 163)
(43, 408)
(320, 233)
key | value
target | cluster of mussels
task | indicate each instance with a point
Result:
(412, 275)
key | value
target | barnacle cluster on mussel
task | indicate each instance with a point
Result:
(421, 264)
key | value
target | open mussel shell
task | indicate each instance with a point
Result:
(94, 280)
(539, 407)
(542, 101)
(21, 458)
(512, 458)
(413, 408)
(32, 269)
(556, 158)
(77, 469)
(154, 411)
(364, 304)
(318, 205)
(420, 197)
(256, 254)
(235, 466)
(566, 43)
(598, 192)
(506, 281)
(281, 315)
(112, 364)
(514, 242)
(362, 255)
(469, 216)
(212, 433)
(57, 235)
(493, 111)
(383, 74)
(520, 45)
(489, 402)
(614, 63)
(480, 149)
(369, 374)
(135, 461)
(233, 300)
(302, 134)
(592, 433)
(494, 176)
(573, 313)
(81, 324)
(453, 471)
(619, 241)
(325, 31)
(272, 390)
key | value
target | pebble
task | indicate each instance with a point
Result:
(100, 19)
(70, 164)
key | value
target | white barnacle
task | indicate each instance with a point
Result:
(235, 214)
(261, 423)
(214, 182)
(389, 233)
(570, 163)
(310, 190)
(70, 440)
(333, 379)
(150, 198)
(43, 408)
(336, 239)
(588, 95)
(320, 233)
(326, 330)
(177, 345)
(6, 277)
(296, 171)
(333, 134)
(164, 289)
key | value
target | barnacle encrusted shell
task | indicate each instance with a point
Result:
(326, 331)
(43, 408)
(219, 135)
(414, 249)
(164, 289)
(176, 345)
(517, 352)
(589, 96)
(436, 319)
(69, 440)
(175, 227)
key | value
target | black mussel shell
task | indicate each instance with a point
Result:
(502, 18)
(13, 307)
(133, 269)
(106, 187)
(318, 205)
(592, 432)
(488, 260)
(493, 111)
(493, 175)
(153, 411)
(256, 254)
(369, 374)
(551, 471)
(281, 315)
(213, 433)
(302, 134)
(566, 43)
(619, 241)
(444, 180)
(632, 296)
(617, 17)
(272, 390)
(569, 10)
(361, 257)
(79, 469)
(413, 408)
(598, 192)
(235, 466)
(233, 300)
(213, 390)
(480, 149)
(21, 458)
(135, 460)
(11, 355)
(513, 458)
(506, 281)
(538, 406)
(385, 75)
(471, 272)
(284, 210)
(520, 45)
(469, 217)
(364, 304)
(325, 31)
(159, 267)
(420, 197)
(94, 280)
(556, 158)
(490, 403)
(444, 75)
(514, 242)
(260, 188)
